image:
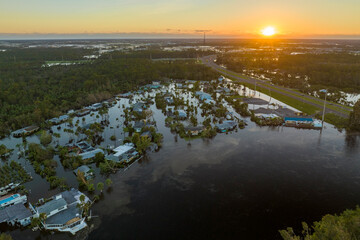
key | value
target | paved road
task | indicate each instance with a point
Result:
(209, 61)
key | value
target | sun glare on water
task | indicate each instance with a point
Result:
(268, 31)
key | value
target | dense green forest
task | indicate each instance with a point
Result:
(332, 70)
(31, 93)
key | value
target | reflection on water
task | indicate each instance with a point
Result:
(245, 184)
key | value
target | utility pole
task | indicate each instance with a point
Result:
(323, 115)
(204, 38)
(255, 88)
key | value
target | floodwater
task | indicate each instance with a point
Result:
(246, 184)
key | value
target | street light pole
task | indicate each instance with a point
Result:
(323, 115)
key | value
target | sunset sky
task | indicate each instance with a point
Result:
(224, 18)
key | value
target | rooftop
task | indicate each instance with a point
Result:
(64, 216)
(52, 205)
(121, 150)
(17, 211)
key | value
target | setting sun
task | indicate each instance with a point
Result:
(268, 31)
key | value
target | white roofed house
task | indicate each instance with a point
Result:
(63, 213)
(123, 154)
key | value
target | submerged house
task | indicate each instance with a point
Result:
(298, 122)
(96, 106)
(226, 126)
(125, 95)
(123, 154)
(17, 214)
(62, 212)
(301, 122)
(203, 96)
(138, 126)
(85, 170)
(25, 131)
(84, 146)
(266, 116)
(59, 120)
(139, 107)
(83, 112)
(181, 114)
(194, 131)
(146, 134)
(90, 154)
(169, 99)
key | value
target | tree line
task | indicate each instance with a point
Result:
(30, 94)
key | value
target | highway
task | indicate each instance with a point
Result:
(209, 61)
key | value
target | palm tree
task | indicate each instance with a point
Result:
(108, 182)
(100, 186)
(84, 206)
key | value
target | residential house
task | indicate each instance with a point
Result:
(83, 112)
(123, 154)
(17, 214)
(226, 126)
(12, 199)
(85, 170)
(181, 114)
(90, 154)
(146, 134)
(203, 96)
(25, 131)
(138, 126)
(96, 106)
(63, 213)
(194, 131)
(139, 107)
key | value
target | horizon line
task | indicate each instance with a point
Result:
(145, 35)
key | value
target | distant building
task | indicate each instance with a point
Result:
(83, 112)
(266, 116)
(182, 114)
(25, 131)
(125, 95)
(96, 106)
(169, 99)
(298, 122)
(59, 120)
(139, 107)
